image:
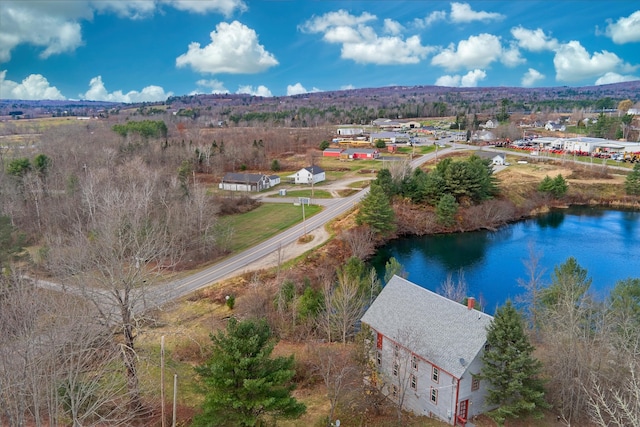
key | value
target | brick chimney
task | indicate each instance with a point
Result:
(471, 301)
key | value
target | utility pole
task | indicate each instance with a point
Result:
(162, 380)
(303, 220)
(175, 395)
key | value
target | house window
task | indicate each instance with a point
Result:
(396, 350)
(435, 374)
(379, 341)
(475, 382)
(395, 369)
(414, 362)
(434, 395)
(379, 358)
(414, 382)
(394, 391)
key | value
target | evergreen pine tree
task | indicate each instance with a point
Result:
(376, 211)
(385, 181)
(242, 382)
(446, 210)
(546, 185)
(559, 186)
(632, 182)
(511, 370)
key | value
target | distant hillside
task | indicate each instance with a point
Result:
(351, 106)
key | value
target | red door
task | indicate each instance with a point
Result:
(462, 412)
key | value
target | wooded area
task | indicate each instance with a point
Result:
(109, 209)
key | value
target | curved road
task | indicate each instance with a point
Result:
(237, 264)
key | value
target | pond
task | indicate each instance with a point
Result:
(604, 242)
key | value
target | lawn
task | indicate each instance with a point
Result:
(253, 227)
(317, 194)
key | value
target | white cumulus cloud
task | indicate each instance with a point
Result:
(611, 77)
(298, 89)
(347, 87)
(225, 7)
(56, 26)
(471, 79)
(435, 16)
(125, 9)
(533, 40)
(462, 13)
(340, 18)
(625, 30)
(98, 92)
(475, 52)
(234, 49)
(23, 23)
(531, 77)
(573, 63)
(33, 87)
(448, 81)
(392, 27)
(214, 86)
(259, 91)
(362, 44)
(511, 56)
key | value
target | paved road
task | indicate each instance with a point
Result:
(162, 294)
(241, 262)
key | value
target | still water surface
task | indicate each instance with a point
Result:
(604, 242)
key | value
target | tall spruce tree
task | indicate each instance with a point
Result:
(376, 211)
(632, 181)
(243, 384)
(510, 368)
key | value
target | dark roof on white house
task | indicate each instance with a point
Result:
(440, 330)
(243, 177)
(314, 170)
(488, 154)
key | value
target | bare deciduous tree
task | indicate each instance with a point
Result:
(347, 306)
(619, 406)
(116, 257)
(361, 241)
(532, 285)
(340, 376)
(454, 290)
(57, 361)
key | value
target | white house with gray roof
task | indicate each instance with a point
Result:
(428, 350)
(309, 175)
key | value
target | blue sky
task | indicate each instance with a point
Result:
(147, 50)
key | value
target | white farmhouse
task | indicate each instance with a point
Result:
(309, 175)
(428, 351)
(497, 159)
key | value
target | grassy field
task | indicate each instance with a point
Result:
(259, 224)
(317, 194)
(37, 125)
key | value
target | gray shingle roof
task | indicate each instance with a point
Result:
(314, 169)
(242, 177)
(441, 331)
